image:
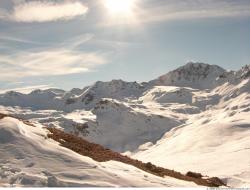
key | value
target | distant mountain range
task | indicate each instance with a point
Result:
(193, 118)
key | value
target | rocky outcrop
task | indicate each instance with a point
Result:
(101, 154)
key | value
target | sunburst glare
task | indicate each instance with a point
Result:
(120, 7)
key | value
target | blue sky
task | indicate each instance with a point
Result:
(73, 43)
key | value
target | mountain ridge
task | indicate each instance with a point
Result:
(195, 75)
(200, 118)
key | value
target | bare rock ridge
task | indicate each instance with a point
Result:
(101, 154)
(2, 116)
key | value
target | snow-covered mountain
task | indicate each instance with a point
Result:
(85, 98)
(194, 75)
(193, 118)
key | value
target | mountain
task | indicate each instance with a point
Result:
(194, 75)
(85, 98)
(198, 112)
(115, 89)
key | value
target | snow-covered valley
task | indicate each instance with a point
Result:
(195, 118)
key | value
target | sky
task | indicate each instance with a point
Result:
(74, 43)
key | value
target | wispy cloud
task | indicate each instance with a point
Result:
(77, 41)
(48, 63)
(53, 59)
(192, 9)
(17, 40)
(74, 42)
(44, 11)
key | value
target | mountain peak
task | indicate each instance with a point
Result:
(192, 63)
(244, 72)
(193, 74)
(199, 66)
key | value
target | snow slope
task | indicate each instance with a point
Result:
(28, 158)
(215, 142)
(120, 127)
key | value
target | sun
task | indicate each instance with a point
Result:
(119, 7)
